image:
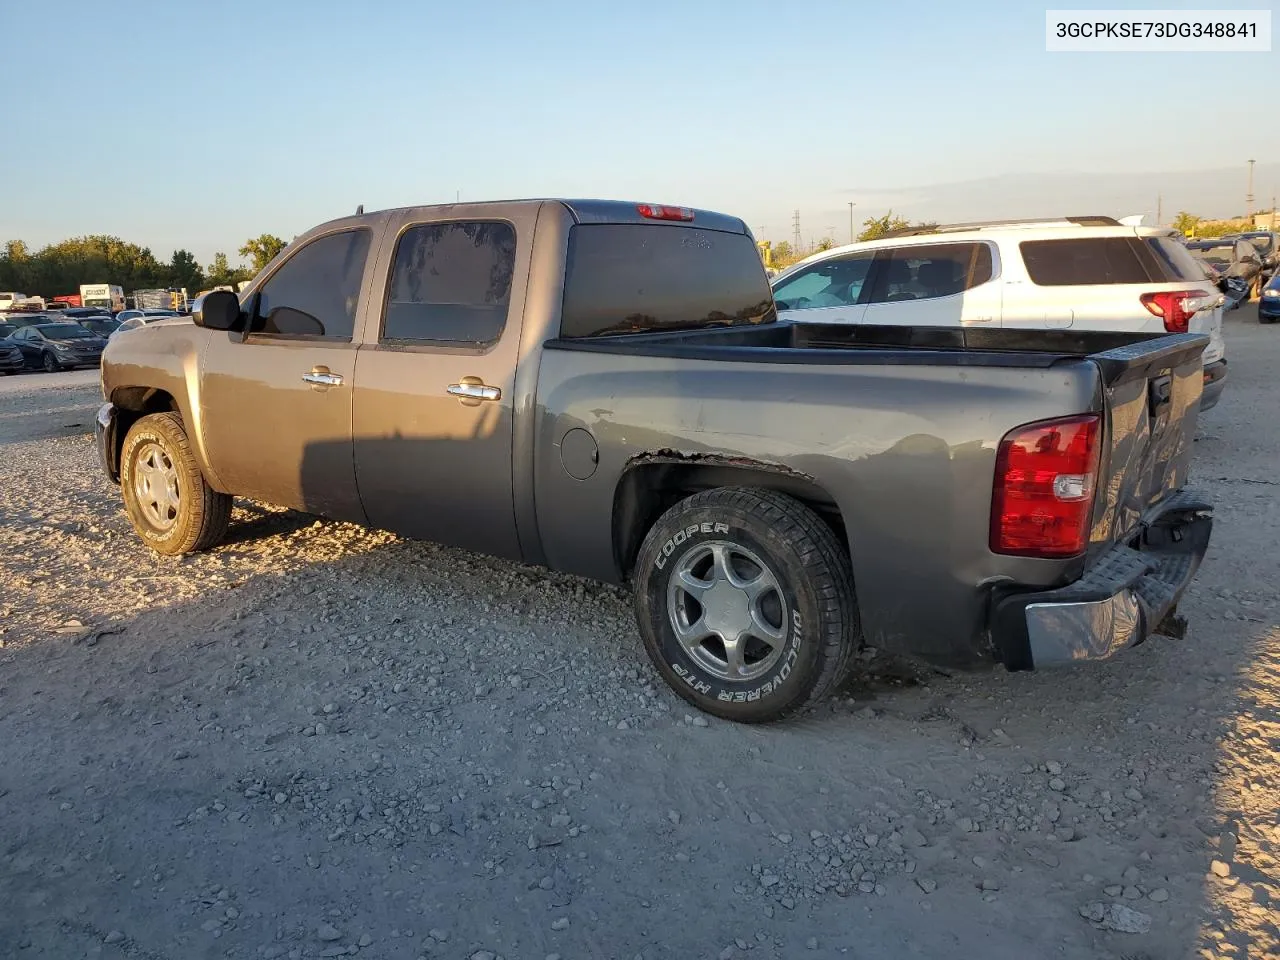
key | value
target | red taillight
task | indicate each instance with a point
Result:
(656, 211)
(1176, 307)
(1046, 474)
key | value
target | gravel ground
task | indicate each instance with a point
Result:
(323, 741)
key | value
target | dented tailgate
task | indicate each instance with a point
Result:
(1152, 392)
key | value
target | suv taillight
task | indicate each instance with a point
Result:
(1176, 307)
(1046, 475)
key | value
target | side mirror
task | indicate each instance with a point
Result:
(219, 310)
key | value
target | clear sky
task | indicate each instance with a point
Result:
(197, 125)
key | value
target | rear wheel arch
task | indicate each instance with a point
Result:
(652, 485)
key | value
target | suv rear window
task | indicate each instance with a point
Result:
(634, 278)
(1174, 258)
(1088, 261)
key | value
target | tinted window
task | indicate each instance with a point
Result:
(64, 331)
(1086, 261)
(451, 282)
(932, 270)
(1221, 254)
(625, 278)
(316, 291)
(1174, 260)
(837, 282)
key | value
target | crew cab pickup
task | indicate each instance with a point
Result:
(603, 388)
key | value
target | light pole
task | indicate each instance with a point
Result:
(1248, 198)
(851, 221)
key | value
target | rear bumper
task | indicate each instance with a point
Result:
(1215, 380)
(104, 428)
(1119, 601)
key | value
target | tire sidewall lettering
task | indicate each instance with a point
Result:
(682, 536)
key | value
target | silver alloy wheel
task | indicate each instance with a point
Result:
(727, 609)
(155, 486)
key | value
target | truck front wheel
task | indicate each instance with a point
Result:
(745, 601)
(168, 502)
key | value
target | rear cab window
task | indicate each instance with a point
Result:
(634, 278)
(451, 283)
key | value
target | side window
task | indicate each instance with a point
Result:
(451, 282)
(837, 282)
(1086, 261)
(932, 270)
(316, 292)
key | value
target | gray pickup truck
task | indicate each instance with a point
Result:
(603, 388)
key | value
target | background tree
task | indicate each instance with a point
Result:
(220, 273)
(876, 227)
(262, 250)
(1185, 222)
(184, 271)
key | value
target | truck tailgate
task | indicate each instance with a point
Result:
(1152, 391)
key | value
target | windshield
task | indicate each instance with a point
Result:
(100, 325)
(65, 331)
(1264, 243)
(1222, 256)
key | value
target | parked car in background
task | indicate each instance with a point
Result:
(146, 315)
(602, 388)
(102, 326)
(1269, 302)
(1231, 260)
(138, 318)
(80, 313)
(24, 318)
(1267, 243)
(1076, 273)
(58, 346)
(55, 306)
(11, 359)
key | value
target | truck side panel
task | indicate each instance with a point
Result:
(906, 452)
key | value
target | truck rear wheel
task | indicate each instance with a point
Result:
(745, 601)
(168, 502)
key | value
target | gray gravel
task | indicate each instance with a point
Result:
(322, 741)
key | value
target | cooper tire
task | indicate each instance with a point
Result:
(166, 498)
(800, 608)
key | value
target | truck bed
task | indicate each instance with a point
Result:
(939, 346)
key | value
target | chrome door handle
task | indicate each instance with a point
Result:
(324, 379)
(474, 391)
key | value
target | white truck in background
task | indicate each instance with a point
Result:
(108, 296)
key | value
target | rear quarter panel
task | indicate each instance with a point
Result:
(906, 452)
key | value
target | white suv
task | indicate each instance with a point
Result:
(1085, 273)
